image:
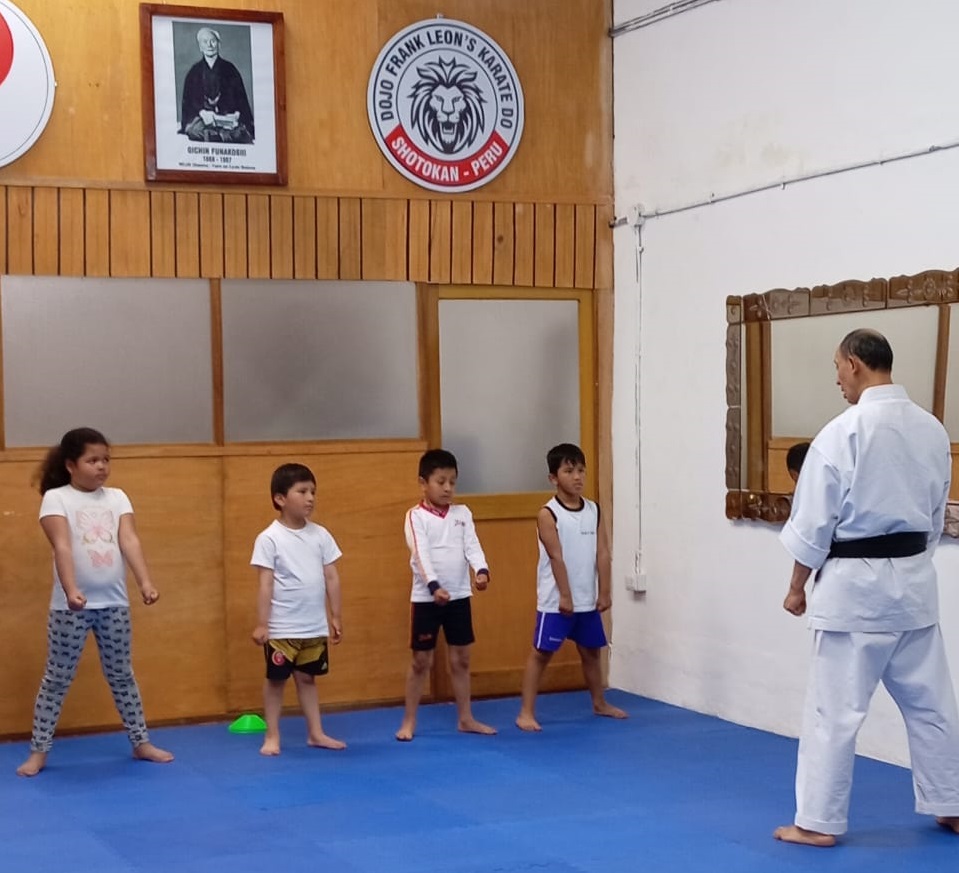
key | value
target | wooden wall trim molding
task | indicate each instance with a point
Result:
(132, 232)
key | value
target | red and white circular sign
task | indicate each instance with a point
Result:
(27, 84)
(445, 105)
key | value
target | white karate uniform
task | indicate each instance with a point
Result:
(881, 467)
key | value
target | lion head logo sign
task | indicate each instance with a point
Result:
(26, 83)
(445, 105)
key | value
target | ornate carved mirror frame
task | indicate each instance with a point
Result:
(749, 373)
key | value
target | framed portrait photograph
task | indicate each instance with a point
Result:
(214, 95)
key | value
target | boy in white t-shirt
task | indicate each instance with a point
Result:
(298, 585)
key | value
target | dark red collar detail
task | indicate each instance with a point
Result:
(434, 510)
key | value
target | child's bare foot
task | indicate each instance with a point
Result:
(796, 834)
(271, 746)
(527, 723)
(472, 726)
(406, 731)
(149, 752)
(950, 822)
(33, 765)
(609, 710)
(322, 741)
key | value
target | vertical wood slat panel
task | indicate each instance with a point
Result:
(418, 252)
(304, 237)
(525, 230)
(351, 239)
(441, 234)
(96, 237)
(3, 230)
(20, 231)
(258, 235)
(544, 240)
(72, 219)
(235, 256)
(211, 235)
(565, 256)
(504, 243)
(281, 236)
(603, 271)
(130, 233)
(328, 238)
(483, 243)
(163, 234)
(46, 231)
(461, 268)
(384, 239)
(187, 206)
(585, 246)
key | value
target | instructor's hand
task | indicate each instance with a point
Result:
(795, 602)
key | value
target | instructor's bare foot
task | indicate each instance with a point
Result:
(950, 822)
(609, 710)
(406, 731)
(33, 765)
(149, 752)
(271, 746)
(322, 741)
(472, 726)
(796, 834)
(527, 723)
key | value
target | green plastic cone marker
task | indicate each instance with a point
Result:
(248, 724)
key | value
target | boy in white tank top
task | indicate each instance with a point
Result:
(572, 586)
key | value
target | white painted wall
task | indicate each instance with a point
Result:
(734, 95)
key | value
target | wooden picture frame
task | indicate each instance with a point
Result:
(214, 95)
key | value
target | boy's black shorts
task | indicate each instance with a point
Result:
(309, 656)
(455, 618)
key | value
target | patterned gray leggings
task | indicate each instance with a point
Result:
(66, 634)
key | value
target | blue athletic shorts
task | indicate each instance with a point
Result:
(584, 628)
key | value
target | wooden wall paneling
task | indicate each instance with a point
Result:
(370, 664)
(187, 206)
(603, 274)
(585, 246)
(304, 237)
(327, 238)
(216, 359)
(20, 231)
(418, 254)
(461, 267)
(235, 248)
(258, 235)
(72, 218)
(351, 239)
(97, 232)
(483, 243)
(211, 235)
(524, 249)
(130, 233)
(428, 387)
(3, 229)
(46, 231)
(544, 262)
(162, 234)
(441, 239)
(281, 236)
(3, 422)
(603, 306)
(565, 249)
(504, 243)
(384, 239)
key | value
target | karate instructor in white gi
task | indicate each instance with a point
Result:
(867, 515)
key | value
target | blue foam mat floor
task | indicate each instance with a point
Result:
(666, 790)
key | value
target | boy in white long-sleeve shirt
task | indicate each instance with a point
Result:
(443, 547)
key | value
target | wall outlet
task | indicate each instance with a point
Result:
(636, 582)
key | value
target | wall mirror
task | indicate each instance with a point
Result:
(780, 379)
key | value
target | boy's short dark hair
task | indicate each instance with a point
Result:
(286, 476)
(436, 459)
(558, 455)
(795, 457)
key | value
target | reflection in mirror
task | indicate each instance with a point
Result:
(781, 385)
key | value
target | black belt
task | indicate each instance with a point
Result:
(894, 545)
